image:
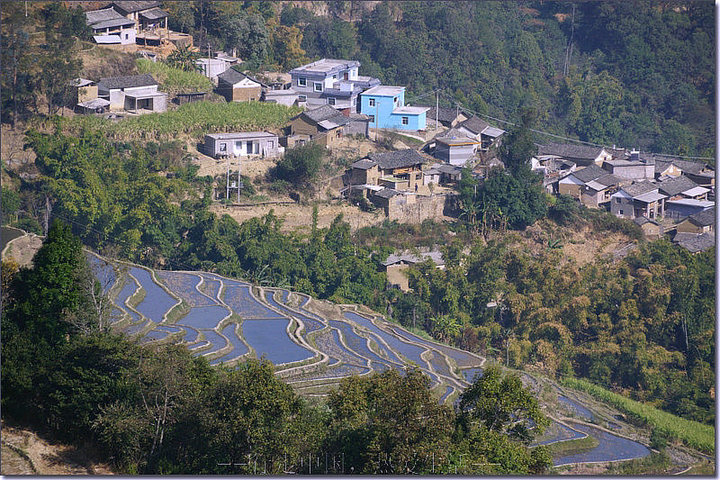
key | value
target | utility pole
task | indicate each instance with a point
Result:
(238, 182)
(47, 215)
(227, 188)
(437, 105)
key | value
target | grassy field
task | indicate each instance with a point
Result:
(195, 119)
(693, 434)
(173, 80)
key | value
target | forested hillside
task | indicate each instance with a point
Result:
(635, 74)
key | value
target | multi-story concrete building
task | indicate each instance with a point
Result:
(330, 82)
(385, 105)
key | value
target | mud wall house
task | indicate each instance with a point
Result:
(83, 90)
(581, 155)
(242, 144)
(596, 193)
(680, 187)
(111, 27)
(701, 222)
(238, 87)
(403, 168)
(359, 125)
(145, 14)
(652, 230)
(323, 125)
(135, 93)
(479, 129)
(574, 183)
(333, 82)
(640, 199)
(385, 105)
(695, 243)
(397, 265)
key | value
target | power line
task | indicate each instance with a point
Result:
(458, 104)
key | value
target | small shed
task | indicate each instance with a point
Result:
(191, 97)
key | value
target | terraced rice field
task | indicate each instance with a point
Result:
(312, 346)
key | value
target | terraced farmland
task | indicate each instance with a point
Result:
(313, 344)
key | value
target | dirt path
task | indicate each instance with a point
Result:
(22, 249)
(46, 457)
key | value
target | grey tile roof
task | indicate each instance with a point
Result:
(675, 186)
(325, 113)
(135, 6)
(704, 218)
(399, 159)
(113, 22)
(474, 124)
(697, 243)
(589, 173)
(386, 193)
(95, 16)
(435, 256)
(232, 77)
(129, 81)
(570, 151)
(639, 188)
(643, 220)
(608, 180)
(363, 164)
(688, 166)
(154, 14)
(445, 114)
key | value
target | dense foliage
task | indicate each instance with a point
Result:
(160, 410)
(174, 79)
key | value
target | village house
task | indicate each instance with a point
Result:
(455, 148)
(445, 116)
(397, 265)
(652, 230)
(581, 155)
(331, 82)
(323, 125)
(479, 129)
(682, 187)
(146, 15)
(693, 242)
(85, 97)
(553, 170)
(640, 199)
(211, 67)
(385, 105)
(241, 144)
(684, 207)
(110, 27)
(133, 93)
(698, 223)
(400, 170)
(238, 87)
(700, 173)
(596, 193)
(573, 183)
(634, 168)
(287, 97)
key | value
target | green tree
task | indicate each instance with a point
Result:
(300, 164)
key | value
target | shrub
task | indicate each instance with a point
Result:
(301, 164)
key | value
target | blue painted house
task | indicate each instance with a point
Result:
(385, 105)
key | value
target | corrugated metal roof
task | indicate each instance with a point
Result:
(107, 39)
(154, 14)
(493, 132)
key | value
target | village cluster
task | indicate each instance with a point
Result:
(663, 195)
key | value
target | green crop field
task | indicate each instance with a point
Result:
(195, 119)
(173, 80)
(693, 434)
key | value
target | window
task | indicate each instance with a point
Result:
(618, 200)
(271, 144)
(621, 212)
(238, 145)
(331, 101)
(302, 98)
(372, 118)
(371, 102)
(334, 77)
(317, 86)
(395, 100)
(302, 81)
(354, 101)
(405, 120)
(223, 147)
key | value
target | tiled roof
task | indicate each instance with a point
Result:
(570, 151)
(639, 188)
(704, 218)
(698, 243)
(154, 14)
(325, 113)
(675, 186)
(363, 164)
(399, 159)
(96, 16)
(643, 220)
(475, 124)
(589, 173)
(130, 81)
(232, 77)
(135, 6)
(387, 193)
